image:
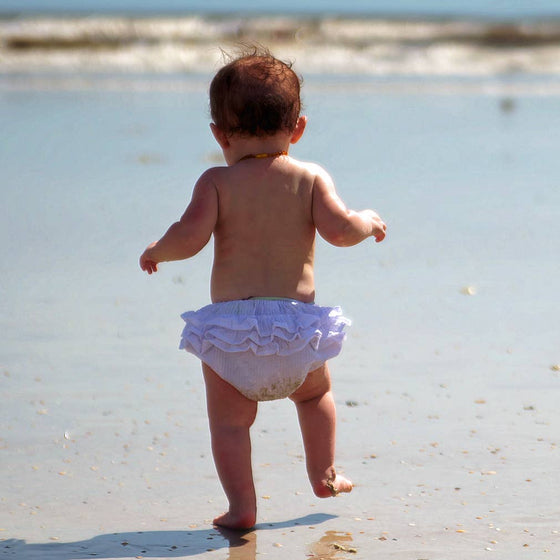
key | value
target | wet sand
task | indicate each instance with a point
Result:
(446, 389)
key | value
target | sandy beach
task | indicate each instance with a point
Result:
(447, 387)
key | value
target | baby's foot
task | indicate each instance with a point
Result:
(233, 521)
(339, 484)
(334, 486)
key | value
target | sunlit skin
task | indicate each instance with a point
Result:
(263, 214)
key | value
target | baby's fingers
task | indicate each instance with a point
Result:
(148, 266)
(151, 267)
(380, 230)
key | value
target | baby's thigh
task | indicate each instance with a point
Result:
(317, 383)
(226, 405)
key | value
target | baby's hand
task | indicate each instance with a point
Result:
(148, 266)
(146, 261)
(379, 227)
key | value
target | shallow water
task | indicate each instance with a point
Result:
(469, 192)
(468, 189)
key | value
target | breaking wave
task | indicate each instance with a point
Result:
(329, 45)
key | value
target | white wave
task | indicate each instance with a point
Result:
(326, 46)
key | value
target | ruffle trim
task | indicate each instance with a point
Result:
(265, 327)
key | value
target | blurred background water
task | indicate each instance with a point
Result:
(480, 8)
(381, 38)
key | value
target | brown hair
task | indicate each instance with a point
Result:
(256, 95)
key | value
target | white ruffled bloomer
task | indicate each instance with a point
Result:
(264, 348)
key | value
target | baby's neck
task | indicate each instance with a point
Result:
(248, 147)
(265, 155)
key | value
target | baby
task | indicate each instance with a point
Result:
(263, 337)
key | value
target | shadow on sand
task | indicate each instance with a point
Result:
(153, 544)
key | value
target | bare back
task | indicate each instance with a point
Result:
(264, 235)
(263, 214)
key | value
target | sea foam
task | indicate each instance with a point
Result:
(329, 45)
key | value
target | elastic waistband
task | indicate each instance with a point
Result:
(267, 298)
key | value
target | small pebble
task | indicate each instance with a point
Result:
(468, 291)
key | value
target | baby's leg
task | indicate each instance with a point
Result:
(231, 415)
(317, 419)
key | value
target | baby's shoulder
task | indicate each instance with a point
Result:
(212, 177)
(213, 172)
(310, 169)
(315, 173)
(306, 171)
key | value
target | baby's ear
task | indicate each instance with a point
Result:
(220, 136)
(299, 129)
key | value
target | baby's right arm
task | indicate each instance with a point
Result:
(335, 222)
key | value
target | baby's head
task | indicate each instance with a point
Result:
(255, 95)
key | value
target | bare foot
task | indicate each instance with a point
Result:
(232, 521)
(333, 486)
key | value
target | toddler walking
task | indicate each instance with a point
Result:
(263, 337)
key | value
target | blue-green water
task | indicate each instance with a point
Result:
(479, 8)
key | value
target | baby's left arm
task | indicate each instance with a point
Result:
(191, 233)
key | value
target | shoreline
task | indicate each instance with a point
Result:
(492, 86)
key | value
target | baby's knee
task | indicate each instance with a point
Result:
(240, 420)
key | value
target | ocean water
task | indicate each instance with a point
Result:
(467, 183)
(479, 8)
(433, 38)
(318, 44)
